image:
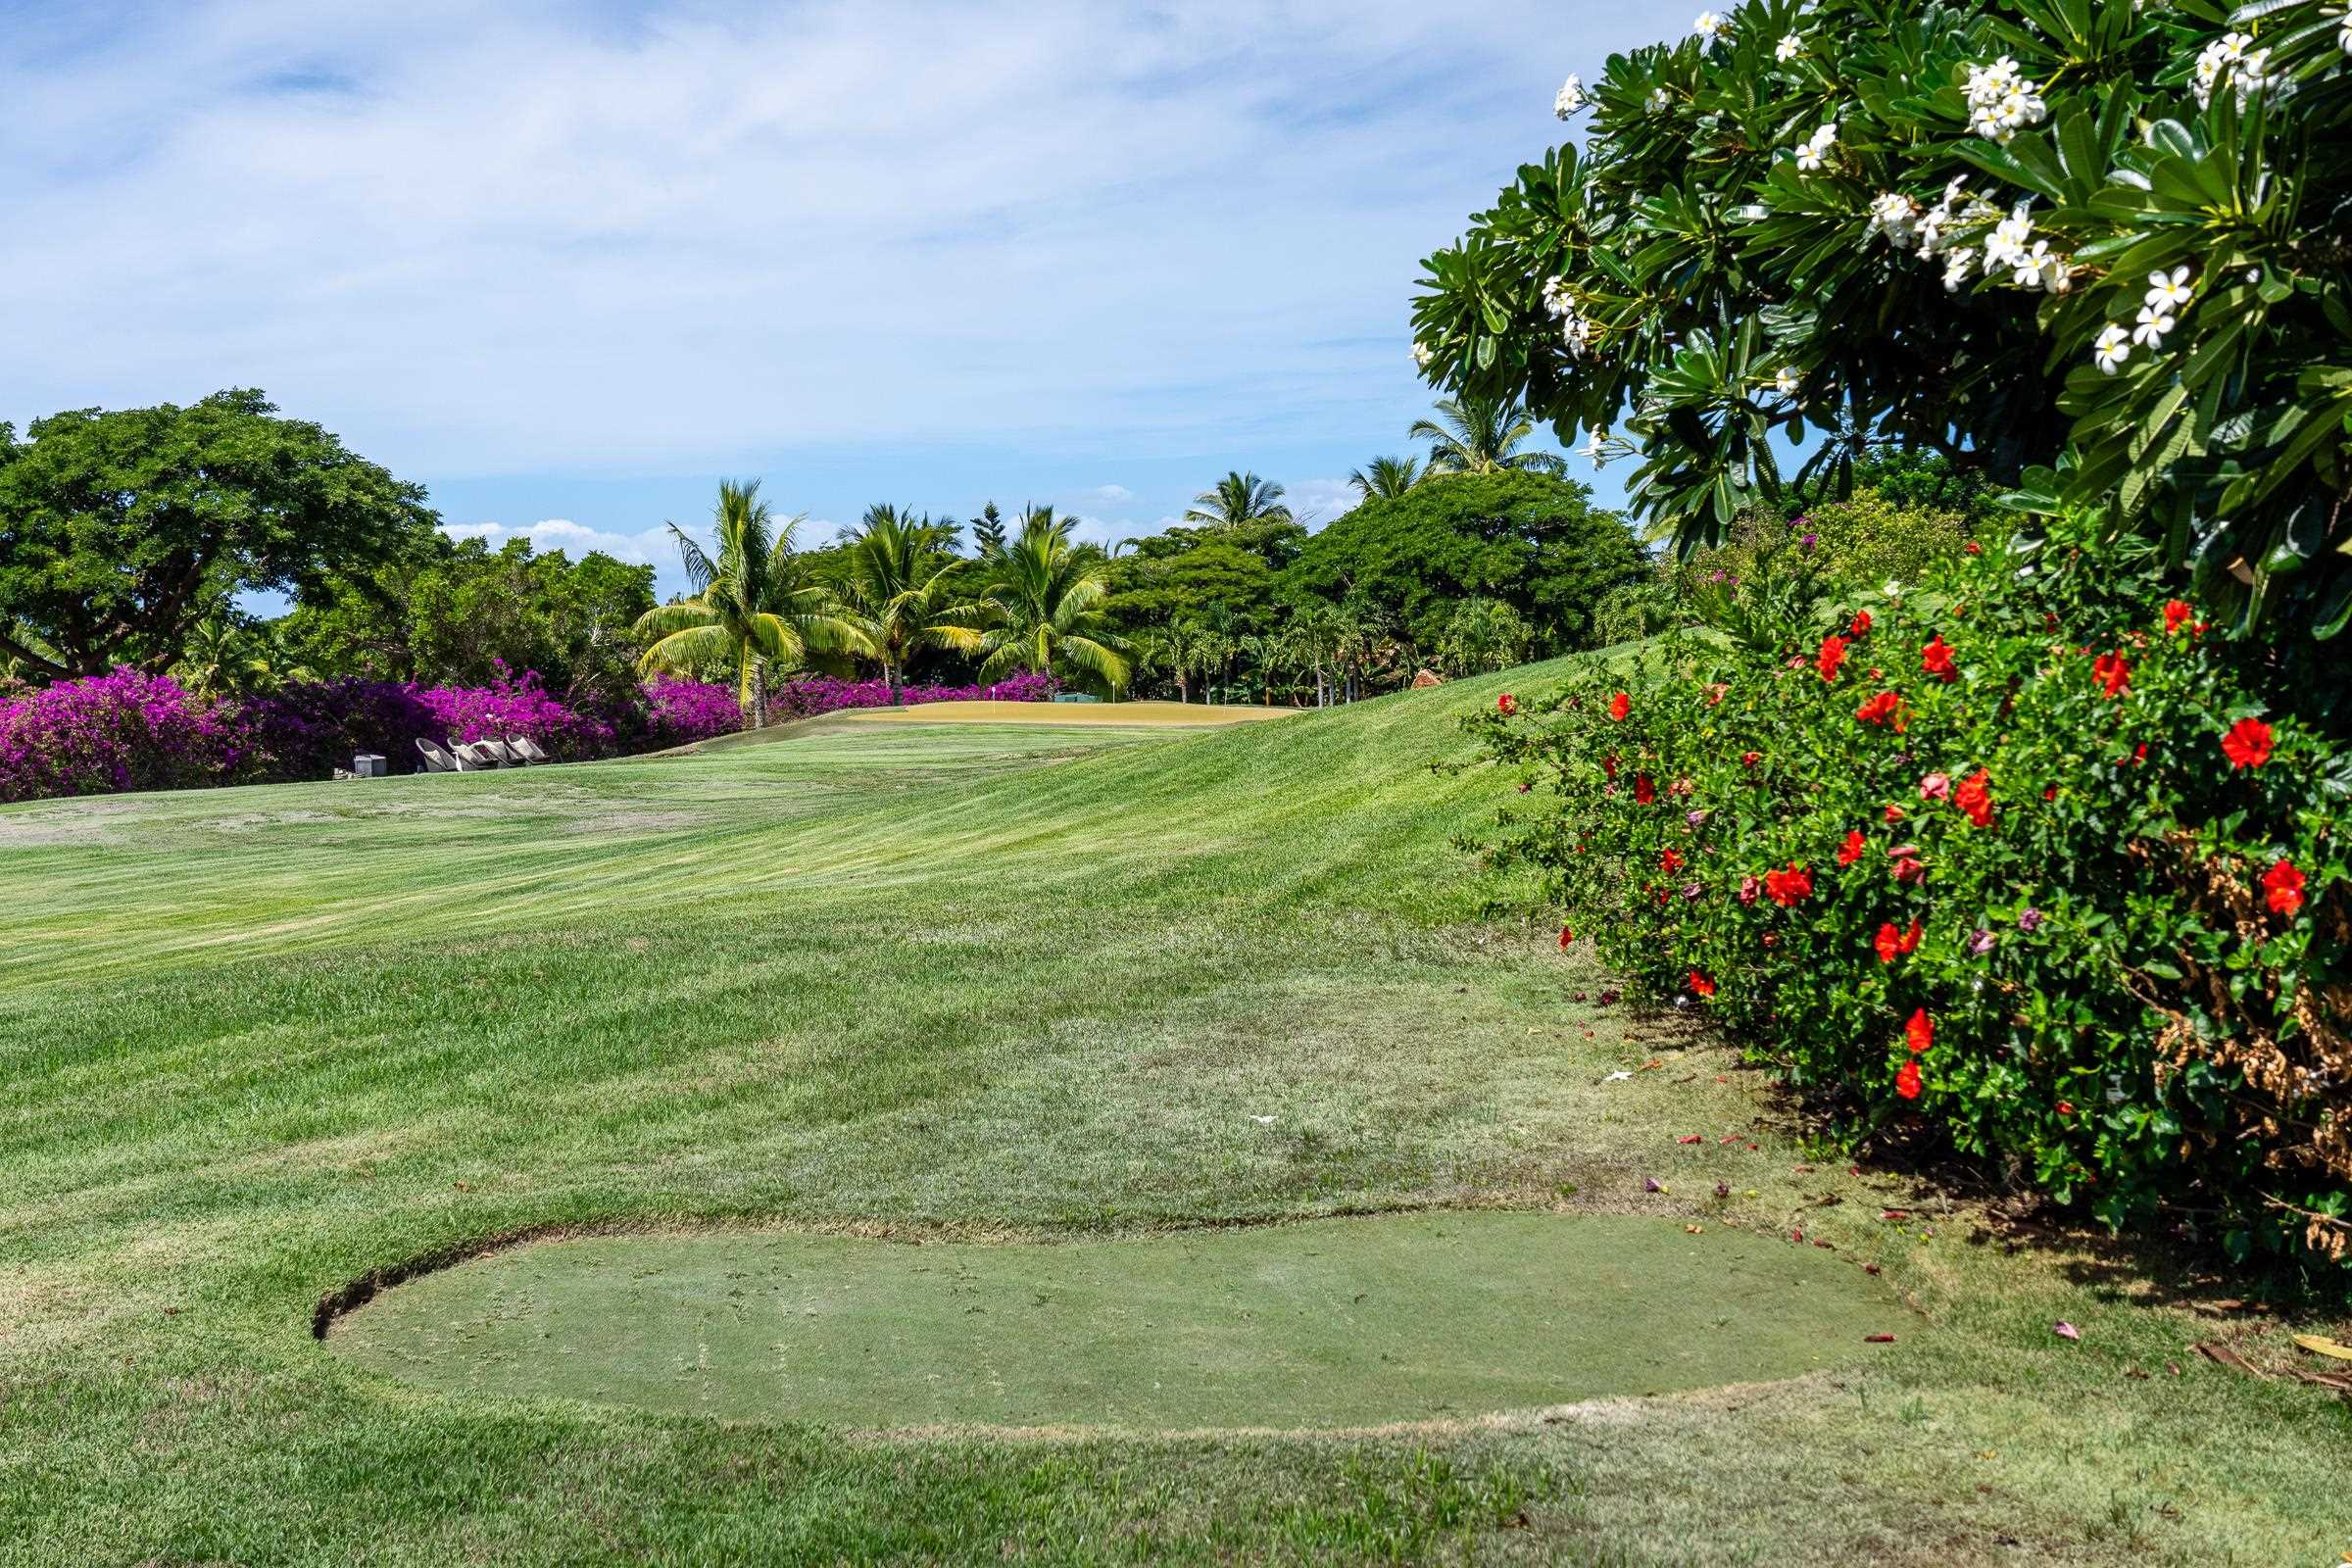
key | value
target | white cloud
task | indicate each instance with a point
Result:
(556, 235)
(1316, 502)
(1112, 494)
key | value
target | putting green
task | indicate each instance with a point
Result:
(1329, 1323)
(1069, 715)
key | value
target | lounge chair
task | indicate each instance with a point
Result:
(476, 757)
(527, 748)
(436, 761)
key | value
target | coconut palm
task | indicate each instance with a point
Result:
(1189, 650)
(1238, 500)
(898, 567)
(225, 653)
(1041, 608)
(1481, 435)
(753, 608)
(1385, 478)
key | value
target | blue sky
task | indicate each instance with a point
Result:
(570, 264)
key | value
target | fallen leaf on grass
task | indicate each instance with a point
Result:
(1870, 1268)
(2065, 1330)
(1617, 1077)
(1650, 1184)
(1694, 1138)
(1877, 1339)
(1692, 1230)
(2320, 1345)
(2223, 1356)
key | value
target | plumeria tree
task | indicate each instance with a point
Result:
(2099, 252)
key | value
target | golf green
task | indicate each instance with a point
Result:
(1326, 1323)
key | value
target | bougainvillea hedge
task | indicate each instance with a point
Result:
(2030, 860)
(129, 731)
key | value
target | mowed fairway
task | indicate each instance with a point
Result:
(997, 986)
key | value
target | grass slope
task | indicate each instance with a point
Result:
(970, 983)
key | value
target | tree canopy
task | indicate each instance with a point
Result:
(2096, 252)
(1527, 540)
(120, 530)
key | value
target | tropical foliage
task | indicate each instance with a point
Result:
(2030, 858)
(2094, 253)
(753, 611)
(1042, 607)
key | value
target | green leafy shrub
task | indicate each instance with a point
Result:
(2028, 859)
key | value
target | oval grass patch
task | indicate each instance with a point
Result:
(1329, 1323)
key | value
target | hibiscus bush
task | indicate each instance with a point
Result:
(2028, 859)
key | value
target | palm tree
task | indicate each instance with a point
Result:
(753, 608)
(897, 564)
(1040, 607)
(1481, 435)
(1387, 478)
(225, 653)
(1190, 650)
(1238, 500)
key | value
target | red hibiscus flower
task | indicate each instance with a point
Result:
(1645, 791)
(1620, 706)
(1881, 710)
(2111, 673)
(1790, 886)
(1974, 548)
(2176, 615)
(1670, 862)
(2282, 888)
(1906, 1081)
(1851, 849)
(1861, 625)
(1700, 985)
(1831, 655)
(1907, 867)
(2066, 1108)
(1609, 764)
(1920, 1033)
(1895, 814)
(1566, 937)
(2248, 742)
(1891, 943)
(1751, 758)
(1936, 786)
(1506, 704)
(1936, 659)
(1974, 795)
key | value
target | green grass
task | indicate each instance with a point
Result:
(1342, 1323)
(973, 984)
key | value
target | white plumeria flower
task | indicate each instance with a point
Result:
(1891, 588)
(2113, 348)
(1422, 356)
(2001, 102)
(1814, 150)
(2170, 293)
(1660, 99)
(1710, 27)
(1785, 381)
(2344, 38)
(1892, 215)
(2153, 324)
(1789, 48)
(1955, 269)
(1570, 98)
(2006, 245)
(1596, 447)
(2031, 269)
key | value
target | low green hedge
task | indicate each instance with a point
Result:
(2028, 859)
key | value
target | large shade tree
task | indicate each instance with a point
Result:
(753, 612)
(2094, 251)
(121, 531)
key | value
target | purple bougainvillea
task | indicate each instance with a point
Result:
(128, 731)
